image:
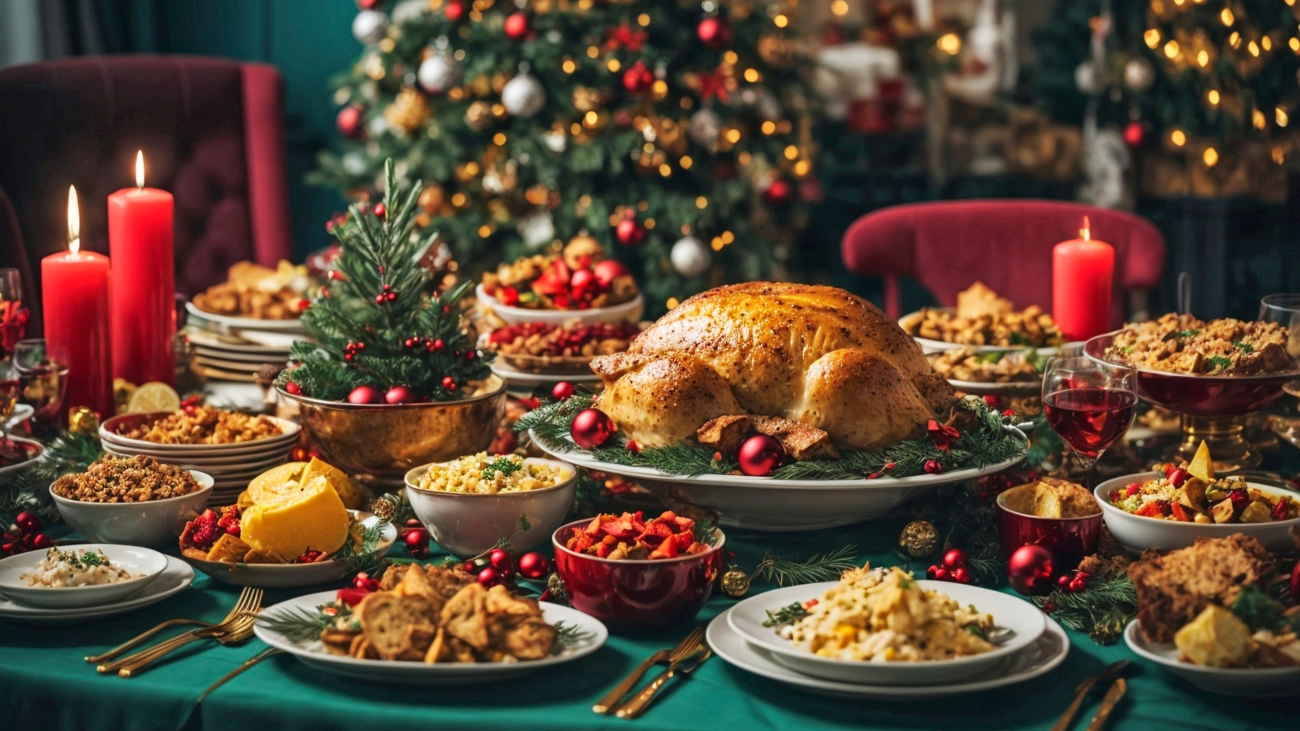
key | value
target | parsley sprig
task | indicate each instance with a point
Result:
(504, 465)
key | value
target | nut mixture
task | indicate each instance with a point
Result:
(205, 425)
(1184, 344)
(480, 474)
(135, 479)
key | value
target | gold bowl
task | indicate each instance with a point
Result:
(386, 441)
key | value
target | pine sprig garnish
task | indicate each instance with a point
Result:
(380, 322)
(359, 550)
(68, 453)
(568, 635)
(298, 625)
(1102, 609)
(785, 615)
(789, 571)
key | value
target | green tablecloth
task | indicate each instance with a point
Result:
(45, 683)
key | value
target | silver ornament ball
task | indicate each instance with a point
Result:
(369, 27)
(1087, 77)
(690, 257)
(536, 229)
(704, 128)
(1138, 74)
(523, 96)
(438, 73)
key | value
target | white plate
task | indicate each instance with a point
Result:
(21, 413)
(7, 474)
(526, 379)
(289, 434)
(938, 346)
(1024, 620)
(290, 575)
(240, 358)
(249, 367)
(215, 466)
(1041, 657)
(203, 338)
(227, 323)
(148, 564)
(767, 504)
(314, 655)
(1138, 533)
(629, 311)
(1016, 388)
(177, 576)
(1249, 682)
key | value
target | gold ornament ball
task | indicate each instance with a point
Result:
(735, 583)
(478, 115)
(555, 585)
(409, 111)
(918, 538)
(776, 49)
(432, 199)
(83, 421)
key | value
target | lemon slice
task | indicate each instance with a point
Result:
(153, 396)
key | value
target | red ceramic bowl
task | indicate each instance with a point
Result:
(1200, 395)
(637, 596)
(1069, 539)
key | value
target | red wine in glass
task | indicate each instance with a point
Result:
(1090, 419)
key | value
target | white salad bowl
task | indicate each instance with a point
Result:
(468, 524)
(146, 563)
(148, 523)
(1023, 620)
(1249, 682)
(1138, 533)
(629, 311)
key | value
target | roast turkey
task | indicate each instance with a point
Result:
(812, 353)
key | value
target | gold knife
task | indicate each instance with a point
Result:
(1113, 695)
(1114, 670)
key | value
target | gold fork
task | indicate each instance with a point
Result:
(253, 605)
(249, 600)
(635, 707)
(238, 631)
(662, 657)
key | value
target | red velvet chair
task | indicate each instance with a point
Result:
(212, 132)
(1007, 244)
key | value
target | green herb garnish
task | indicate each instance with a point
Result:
(1188, 333)
(504, 465)
(1243, 347)
(1219, 362)
(785, 615)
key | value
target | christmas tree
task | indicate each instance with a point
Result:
(384, 334)
(1204, 89)
(671, 132)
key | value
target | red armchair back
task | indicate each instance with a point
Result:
(1007, 244)
(212, 132)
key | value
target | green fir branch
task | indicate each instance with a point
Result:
(296, 624)
(1102, 609)
(789, 571)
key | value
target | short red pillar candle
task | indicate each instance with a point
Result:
(1082, 272)
(144, 286)
(75, 299)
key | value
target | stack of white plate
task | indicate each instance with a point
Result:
(232, 466)
(234, 348)
(1034, 644)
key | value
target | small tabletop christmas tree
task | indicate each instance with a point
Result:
(385, 334)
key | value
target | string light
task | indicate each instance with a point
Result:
(1267, 43)
(716, 244)
(484, 231)
(791, 153)
(840, 8)
(1171, 49)
(1279, 156)
(686, 162)
(569, 66)
(1203, 59)
(1226, 17)
(730, 58)
(727, 237)
(1234, 40)
(660, 88)
(664, 170)
(643, 19)
(1257, 117)
(801, 168)
(950, 43)
(650, 222)
(1213, 97)
(781, 21)
(1253, 47)
(575, 129)
(752, 76)
(701, 203)
(1152, 38)
(592, 52)
(733, 136)
(499, 139)
(458, 200)
(1178, 137)
(614, 65)
(768, 127)
(590, 118)
(1210, 157)
(1294, 43)
(1279, 115)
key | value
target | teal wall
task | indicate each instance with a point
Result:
(309, 41)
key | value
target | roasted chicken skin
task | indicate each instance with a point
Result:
(807, 352)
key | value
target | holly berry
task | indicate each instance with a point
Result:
(938, 573)
(778, 193)
(364, 582)
(42, 541)
(508, 296)
(310, 555)
(352, 596)
(562, 390)
(293, 388)
(29, 522)
(381, 210)
(501, 561)
(714, 33)
(954, 558)
(961, 575)
(629, 231)
(490, 577)
(1063, 581)
(533, 565)
(449, 383)
(638, 78)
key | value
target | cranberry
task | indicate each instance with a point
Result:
(1178, 477)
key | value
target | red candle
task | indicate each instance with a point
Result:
(1082, 271)
(75, 293)
(144, 295)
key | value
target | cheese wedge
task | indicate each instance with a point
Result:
(338, 479)
(313, 517)
(275, 482)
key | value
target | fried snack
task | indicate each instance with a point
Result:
(255, 291)
(1184, 344)
(205, 425)
(984, 318)
(1173, 588)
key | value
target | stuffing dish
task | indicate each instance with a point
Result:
(135, 479)
(578, 277)
(480, 474)
(961, 364)
(60, 569)
(252, 290)
(1184, 344)
(883, 615)
(982, 317)
(204, 425)
(545, 348)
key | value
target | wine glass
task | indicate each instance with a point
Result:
(13, 316)
(10, 387)
(43, 374)
(1088, 403)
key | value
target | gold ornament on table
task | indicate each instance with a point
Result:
(919, 538)
(479, 115)
(81, 420)
(432, 199)
(735, 583)
(587, 100)
(555, 587)
(409, 111)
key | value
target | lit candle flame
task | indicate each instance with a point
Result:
(139, 170)
(74, 221)
(1085, 232)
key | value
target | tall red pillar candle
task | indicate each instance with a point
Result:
(75, 297)
(144, 287)
(1082, 272)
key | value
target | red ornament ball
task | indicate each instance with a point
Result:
(416, 538)
(365, 395)
(759, 455)
(607, 271)
(629, 231)
(400, 395)
(1135, 133)
(932, 466)
(449, 383)
(592, 428)
(500, 560)
(638, 78)
(1030, 569)
(778, 193)
(533, 566)
(517, 26)
(562, 390)
(454, 11)
(960, 575)
(714, 33)
(582, 280)
(490, 577)
(293, 388)
(954, 558)
(349, 121)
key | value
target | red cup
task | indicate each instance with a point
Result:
(1069, 539)
(637, 596)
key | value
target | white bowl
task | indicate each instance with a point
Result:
(1249, 682)
(469, 524)
(288, 436)
(7, 474)
(148, 564)
(629, 311)
(149, 523)
(1024, 620)
(1137, 533)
